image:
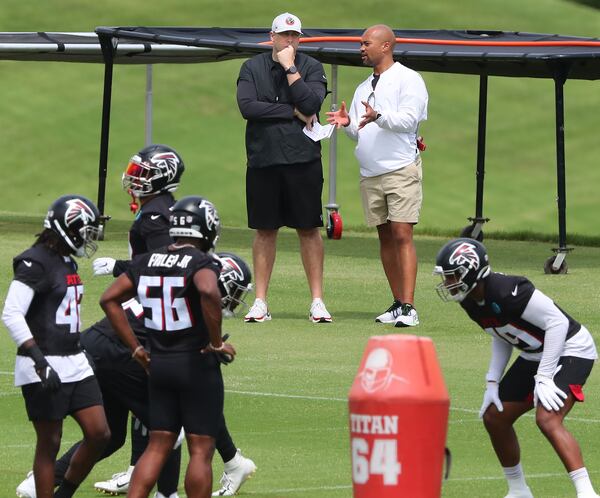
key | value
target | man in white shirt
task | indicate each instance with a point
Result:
(384, 119)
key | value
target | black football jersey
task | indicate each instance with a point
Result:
(54, 314)
(150, 229)
(171, 302)
(506, 298)
(135, 321)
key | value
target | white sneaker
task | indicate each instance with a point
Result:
(160, 495)
(235, 473)
(521, 493)
(118, 484)
(408, 316)
(27, 488)
(318, 312)
(391, 314)
(258, 313)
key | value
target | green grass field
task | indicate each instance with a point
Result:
(50, 114)
(286, 393)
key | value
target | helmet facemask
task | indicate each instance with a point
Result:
(452, 287)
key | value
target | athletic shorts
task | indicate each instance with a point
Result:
(287, 195)
(186, 390)
(42, 404)
(395, 196)
(518, 383)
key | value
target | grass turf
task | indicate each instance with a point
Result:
(286, 393)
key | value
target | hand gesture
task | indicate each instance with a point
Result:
(103, 266)
(340, 117)
(490, 397)
(369, 116)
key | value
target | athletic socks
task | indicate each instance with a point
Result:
(582, 483)
(515, 479)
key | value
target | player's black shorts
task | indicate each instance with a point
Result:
(186, 390)
(70, 398)
(122, 379)
(518, 382)
(287, 195)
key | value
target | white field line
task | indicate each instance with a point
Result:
(325, 398)
(16, 392)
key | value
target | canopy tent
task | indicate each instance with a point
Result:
(483, 53)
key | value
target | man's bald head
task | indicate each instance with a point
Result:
(381, 33)
(377, 47)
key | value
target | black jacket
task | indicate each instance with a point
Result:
(273, 135)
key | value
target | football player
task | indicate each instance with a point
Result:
(151, 177)
(177, 286)
(42, 315)
(556, 357)
(124, 383)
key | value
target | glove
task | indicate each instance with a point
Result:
(48, 376)
(103, 266)
(490, 397)
(547, 393)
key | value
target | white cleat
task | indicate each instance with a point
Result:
(236, 472)
(27, 488)
(118, 484)
(258, 312)
(521, 493)
(318, 312)
(160, 495)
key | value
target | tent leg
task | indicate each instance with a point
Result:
(106, 42)
(474, 230)
(148, 123)
(334, 221)
(557, 264)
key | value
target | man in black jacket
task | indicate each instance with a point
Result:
(279, 93)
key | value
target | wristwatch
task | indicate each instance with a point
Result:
(291, 70)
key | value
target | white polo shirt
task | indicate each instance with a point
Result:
(390, 143)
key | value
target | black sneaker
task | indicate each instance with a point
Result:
(391, 314)
(407, 317)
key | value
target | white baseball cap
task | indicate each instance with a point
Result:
(286, 22)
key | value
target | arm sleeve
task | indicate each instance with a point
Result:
(254, 109)
(411, 109)
(544, 314)
(16, 306)
(121, 266)
(501, 352)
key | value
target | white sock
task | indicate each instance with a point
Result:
(582, 483)
(515, 477)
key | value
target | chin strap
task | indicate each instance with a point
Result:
(133, 205)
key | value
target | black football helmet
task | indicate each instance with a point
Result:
(156, 168)
(76, 220)
(461, 263)
(195, 217)
(234, 281)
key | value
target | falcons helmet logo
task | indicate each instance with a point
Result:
(465, 254)
(167, 162)
(78, 210)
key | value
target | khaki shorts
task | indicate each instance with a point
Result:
(395, 196)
